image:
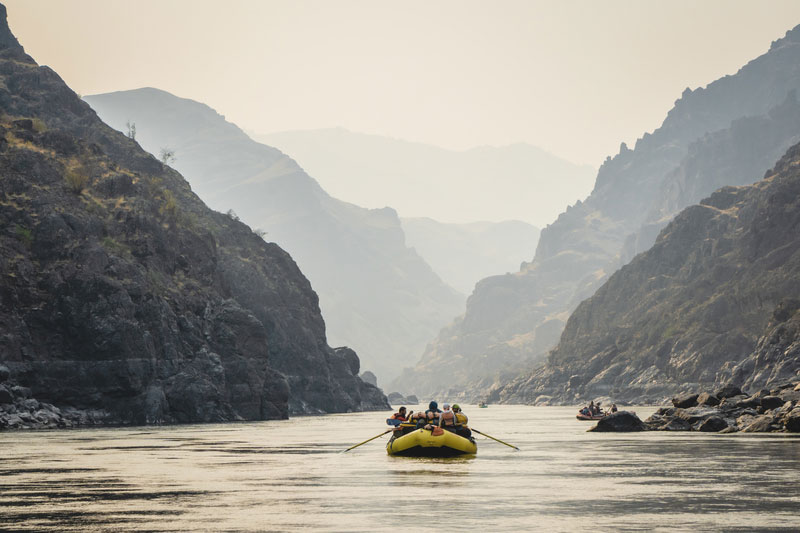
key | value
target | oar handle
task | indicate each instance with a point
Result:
(366, 441)
(498, 440)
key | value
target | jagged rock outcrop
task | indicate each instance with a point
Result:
(512, 321)
(377, 295)
(776, 357)
(688, 313)
(124, 299)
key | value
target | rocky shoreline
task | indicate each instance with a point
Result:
(728, 410)
(19, 410)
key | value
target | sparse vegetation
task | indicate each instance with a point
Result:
(167, 156)
(169, 207)
(77, 179)
(115, 247)
(260, 232)
(25, 235)
(232, 215)
(131, 133)
(38, 125)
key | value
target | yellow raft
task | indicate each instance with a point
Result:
(422, 443)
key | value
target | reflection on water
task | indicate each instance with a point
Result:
(292, 475)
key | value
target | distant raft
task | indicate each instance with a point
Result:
(422, 443)
(600, 416)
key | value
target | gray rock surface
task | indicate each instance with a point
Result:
(369, 377)
(686, 400)
(621, 421)
(706, 398)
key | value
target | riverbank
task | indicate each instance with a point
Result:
(727, 410)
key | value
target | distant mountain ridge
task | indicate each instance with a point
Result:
(463, 254)
(377, 295)
(519, 317)
(513, 182)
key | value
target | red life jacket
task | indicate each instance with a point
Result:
(398, 416)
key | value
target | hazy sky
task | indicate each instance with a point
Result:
(575, 78)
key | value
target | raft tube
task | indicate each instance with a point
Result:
(421, 443)
(581, 416)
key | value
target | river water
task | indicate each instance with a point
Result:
(291, 476)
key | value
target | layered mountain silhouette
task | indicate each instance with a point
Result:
(514, 182)
(124, 298)
(463, 254)
(377, 295)
(725, 133)
(716, 300)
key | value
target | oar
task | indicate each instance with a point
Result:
(498, 440)
(366, 441)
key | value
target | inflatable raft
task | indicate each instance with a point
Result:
(581, 416)
(422, 443)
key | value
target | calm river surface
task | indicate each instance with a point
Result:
(291, 476)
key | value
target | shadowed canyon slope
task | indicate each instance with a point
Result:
(377, 295)
(714, 301)
(124, 299)
(726, 133)
(519, 181)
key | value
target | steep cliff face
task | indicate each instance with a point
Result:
(776, 358)
(733, 156)
(519, 317)
(686, 313)
(377, 295)
(124, 298)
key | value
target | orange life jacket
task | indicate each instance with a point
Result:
(448, 418)
(398, 416)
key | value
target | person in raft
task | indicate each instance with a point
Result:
(447, 420)
(431, 416)
(461, 422)
(400, 415)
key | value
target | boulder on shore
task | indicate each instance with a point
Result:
(728, 391)
(730, 410)
(707, 399)
(369, 377)
(713, 424)
(685, 400)
(396, 398)
(620, 421)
